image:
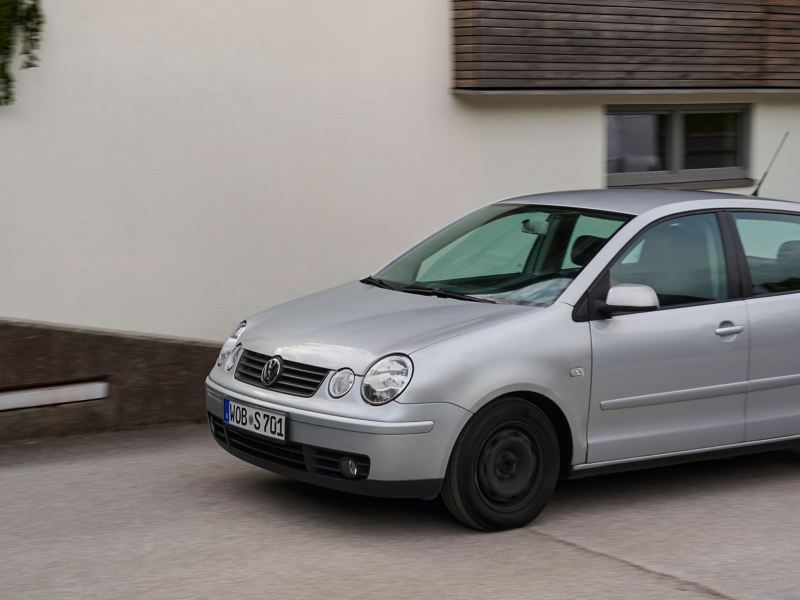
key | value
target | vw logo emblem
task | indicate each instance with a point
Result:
(271, 371)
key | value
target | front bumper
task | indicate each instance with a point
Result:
(406, 459)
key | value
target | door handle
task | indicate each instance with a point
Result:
(728, 328)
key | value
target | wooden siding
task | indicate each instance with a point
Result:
(626, 44)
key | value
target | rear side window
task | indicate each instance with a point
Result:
(772, 246)
(681, 259)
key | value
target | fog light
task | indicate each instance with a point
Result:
(348, 467)
(233, 357)
(341, 382)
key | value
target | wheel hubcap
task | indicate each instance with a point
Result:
(508, 465)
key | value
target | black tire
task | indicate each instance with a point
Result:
(504, 466)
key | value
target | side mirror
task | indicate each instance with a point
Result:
(629, 298)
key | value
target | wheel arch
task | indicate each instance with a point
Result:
(557, 418)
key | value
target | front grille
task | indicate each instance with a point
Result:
(310, 459)
(297, 379)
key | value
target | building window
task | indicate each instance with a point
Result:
(678, 146)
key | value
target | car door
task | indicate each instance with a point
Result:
(674, 379)
(771, 245)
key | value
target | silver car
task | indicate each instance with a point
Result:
(542, 337)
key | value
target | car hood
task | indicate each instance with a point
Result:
(355, 324)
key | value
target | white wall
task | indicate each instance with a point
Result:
(174, 166)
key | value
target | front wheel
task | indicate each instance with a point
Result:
(504, 466)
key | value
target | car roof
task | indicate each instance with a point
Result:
(635, 201)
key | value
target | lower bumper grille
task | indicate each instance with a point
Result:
(309, 459)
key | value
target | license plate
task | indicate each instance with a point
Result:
(263, 422)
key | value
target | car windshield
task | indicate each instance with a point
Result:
(506, 253)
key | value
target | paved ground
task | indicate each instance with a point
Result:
(166, 514)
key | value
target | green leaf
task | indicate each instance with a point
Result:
(21, 23)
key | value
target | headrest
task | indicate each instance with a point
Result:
(584, 249)
(789, 251)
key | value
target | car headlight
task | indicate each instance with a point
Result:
(386, 379)
(229, 346)
(341, 382)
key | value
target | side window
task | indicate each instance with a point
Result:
(772, 246)
(681, 259)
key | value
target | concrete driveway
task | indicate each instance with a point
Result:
(165, 513)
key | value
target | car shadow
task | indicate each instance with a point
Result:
(348, 512)
(342, 511)
(683, 481)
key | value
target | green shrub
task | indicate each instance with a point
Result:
(21, 24)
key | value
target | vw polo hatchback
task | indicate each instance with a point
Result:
(538, 338)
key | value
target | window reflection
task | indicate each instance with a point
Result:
(637, 143)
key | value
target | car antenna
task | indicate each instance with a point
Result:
(764, 176)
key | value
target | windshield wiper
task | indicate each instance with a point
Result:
(424, 291)
(439, 292)
(378, 283)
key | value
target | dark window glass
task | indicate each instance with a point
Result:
(677, 145)
(772, 246)
(711, 140)
(637, 143)
(681, 259)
